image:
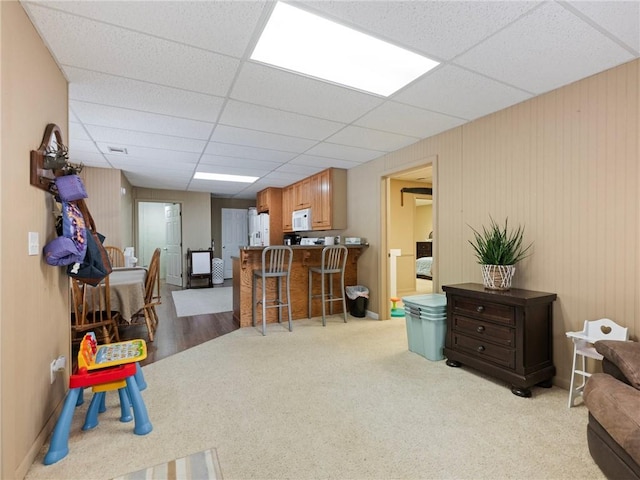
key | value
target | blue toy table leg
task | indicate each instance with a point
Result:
(140, 377)
(91, 419)
(59, 447)
(125, 406)
(142, 423)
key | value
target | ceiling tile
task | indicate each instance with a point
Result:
(287, 91)
(554, 48)
(344, 152)
(460, 93)
(259, 166)
(265, 119)
(222, 26)
(371, 139)
(154, 154)
(100, 115)
(77, 132)
(408, 120)
(427, 26)
(323, 162)
(122, 92)
(252, 138)
(139, 139)
(304, 170)
(242, 151)
(621, 19)
(88, 44)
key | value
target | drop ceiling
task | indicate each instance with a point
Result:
(171, 82)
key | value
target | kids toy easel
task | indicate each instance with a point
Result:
(105, 367)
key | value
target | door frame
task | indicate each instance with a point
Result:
(384, 281)
(136, 225)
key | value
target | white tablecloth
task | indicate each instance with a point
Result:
(127, 290)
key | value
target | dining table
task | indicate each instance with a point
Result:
(127, 286)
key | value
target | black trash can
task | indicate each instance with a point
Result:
(358, 296)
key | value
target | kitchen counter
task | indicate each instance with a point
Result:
(304, 256)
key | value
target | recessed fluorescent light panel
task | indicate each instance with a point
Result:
(221, 177)
(297, 40)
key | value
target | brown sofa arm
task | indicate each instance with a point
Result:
(615, 406)
(624, 355)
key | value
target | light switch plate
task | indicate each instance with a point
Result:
(34, 243)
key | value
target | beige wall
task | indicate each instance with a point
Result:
(423, 225)
(217, 204)
(565, 165)
(34, 318)
(196, 216)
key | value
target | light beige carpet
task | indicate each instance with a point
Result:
(198, 466)
(345, 401)
(199, 301)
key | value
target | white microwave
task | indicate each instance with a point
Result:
(301, 220)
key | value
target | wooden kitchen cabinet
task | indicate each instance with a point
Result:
(302, 194)
(505, 334)
(329, 199)
(287, 208)
(269, 199)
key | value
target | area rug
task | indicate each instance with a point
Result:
(199, 466)
(203, 300)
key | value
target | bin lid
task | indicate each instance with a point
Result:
(433, 300)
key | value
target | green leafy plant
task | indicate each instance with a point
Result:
(496, 245)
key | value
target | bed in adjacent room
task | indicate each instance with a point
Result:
(424, 259)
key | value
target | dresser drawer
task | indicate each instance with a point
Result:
(505, 357)
(494, 312)
(490, 332)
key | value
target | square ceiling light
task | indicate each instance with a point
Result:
(222, 177)
(297, 40)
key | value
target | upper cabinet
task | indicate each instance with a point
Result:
(268, 199)
(302, 194)
(329, 199)
(287, 208)
(325, 193)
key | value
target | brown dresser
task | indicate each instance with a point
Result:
(505, 334)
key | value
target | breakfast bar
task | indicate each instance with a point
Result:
(304, 256)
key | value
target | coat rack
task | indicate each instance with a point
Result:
(40, 177)
(51, 160)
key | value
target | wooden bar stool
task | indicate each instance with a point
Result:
(334, 260)
(276, 263)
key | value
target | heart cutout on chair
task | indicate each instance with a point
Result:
(605, 329)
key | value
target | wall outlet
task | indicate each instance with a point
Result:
(57, 365)
(53, 371)
(34, 243)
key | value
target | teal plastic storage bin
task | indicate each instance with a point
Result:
(426, 317)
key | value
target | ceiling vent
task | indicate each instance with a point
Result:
(118, 150)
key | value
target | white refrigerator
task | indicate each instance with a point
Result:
(258, 229)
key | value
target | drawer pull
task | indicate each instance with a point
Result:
(480, 309)
(481, 348)
(480, 329)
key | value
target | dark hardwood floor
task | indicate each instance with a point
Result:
(176, 334)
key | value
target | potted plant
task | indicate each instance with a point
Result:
(498, 250)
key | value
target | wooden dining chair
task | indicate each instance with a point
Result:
(152, 296)
(91, 311)
(116, 256)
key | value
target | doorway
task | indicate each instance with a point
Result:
(235, 234)
(159, 226)
(409, 231)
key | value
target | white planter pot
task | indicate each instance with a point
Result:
(497, 277)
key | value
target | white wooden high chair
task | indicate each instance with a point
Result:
(594, 330)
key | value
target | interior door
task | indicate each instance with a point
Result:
(173, 249)
(235, 234)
